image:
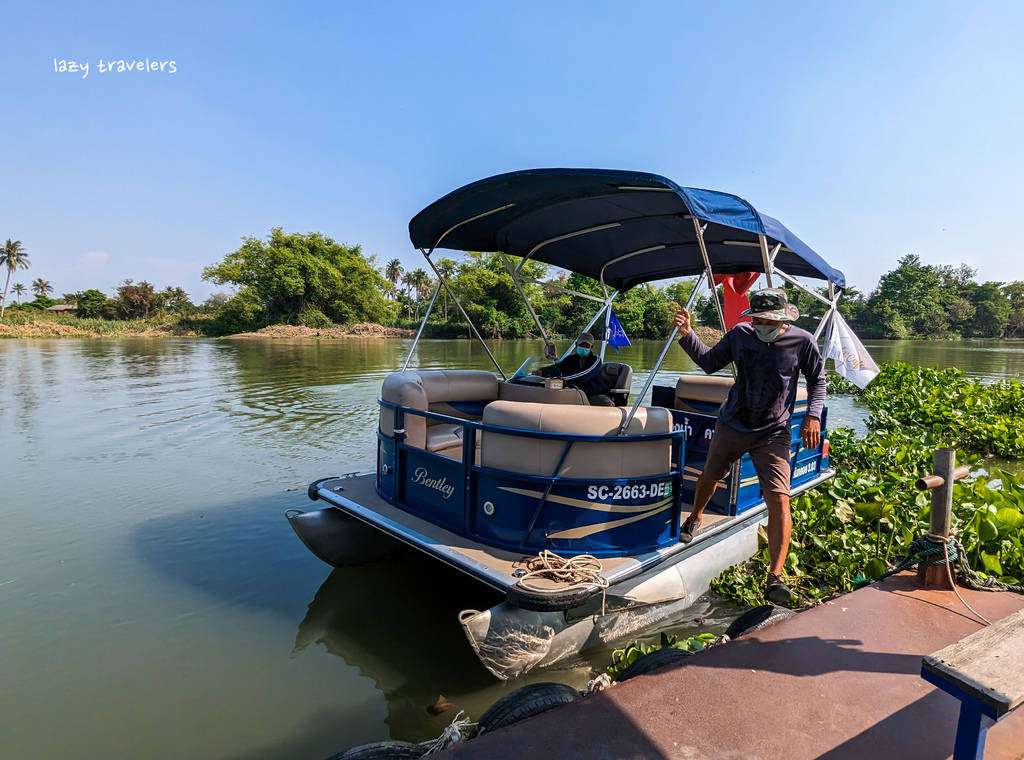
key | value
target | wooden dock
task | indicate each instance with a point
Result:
(841, 681)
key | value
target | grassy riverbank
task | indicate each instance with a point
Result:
(35, 325)
(854, 527)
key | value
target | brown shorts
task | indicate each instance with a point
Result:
(769, 453)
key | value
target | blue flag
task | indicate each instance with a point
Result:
(616, 335)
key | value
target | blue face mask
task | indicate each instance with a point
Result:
(581, 351)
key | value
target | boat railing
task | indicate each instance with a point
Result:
(515, 509)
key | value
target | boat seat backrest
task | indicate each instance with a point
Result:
(458, 393)
(618, 378)
(541, 395)
(705, 394)
(614, 458)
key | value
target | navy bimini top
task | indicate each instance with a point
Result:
(763, 397)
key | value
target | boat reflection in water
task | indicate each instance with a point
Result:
(396, 620)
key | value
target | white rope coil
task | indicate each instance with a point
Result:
(581, 570)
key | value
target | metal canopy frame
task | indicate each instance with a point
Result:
(768, 256)
(518, 279)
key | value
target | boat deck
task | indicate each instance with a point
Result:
(358, 496)
(841, 681)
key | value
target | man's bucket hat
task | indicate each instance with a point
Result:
(771, 303)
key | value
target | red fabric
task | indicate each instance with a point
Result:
(734, 286)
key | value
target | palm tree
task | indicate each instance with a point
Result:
(41, 287)
(393, 271)
(13, 256)
(446, 267)
(421, 281)
(19, 290)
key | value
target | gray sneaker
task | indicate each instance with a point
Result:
(689, 529)
(775, 591)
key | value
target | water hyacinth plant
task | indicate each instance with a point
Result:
(634, 650)
(851, 529)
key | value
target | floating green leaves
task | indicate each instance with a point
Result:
(634, 650)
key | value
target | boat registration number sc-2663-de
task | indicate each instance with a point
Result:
(622, 492)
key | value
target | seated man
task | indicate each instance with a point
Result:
(582, 369)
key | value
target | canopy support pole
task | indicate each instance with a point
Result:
(591, 323)
(832, 310)
(657, 365)
(560, 289)
(765, 258)
(711, 275)
(472, 327)
(799, 286)
(423, 324)
(522, 294)
(607, 328)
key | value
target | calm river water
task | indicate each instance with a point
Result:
(157, 605)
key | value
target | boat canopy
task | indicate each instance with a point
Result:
(621, 228)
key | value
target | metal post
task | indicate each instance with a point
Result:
(654, 371)
(711, 276)
(514, 274)
(607, 329)
(591, 323)
(766, 259)
(824, 321)
(941, 518)
(423, 324)
(469, 321)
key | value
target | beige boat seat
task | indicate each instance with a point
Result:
(711, 389)
(457, 393)
(615, 458)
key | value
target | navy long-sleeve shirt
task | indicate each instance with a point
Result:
(762, 399)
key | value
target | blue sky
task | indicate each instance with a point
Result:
(871, 129)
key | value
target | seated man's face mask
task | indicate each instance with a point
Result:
(582, 351)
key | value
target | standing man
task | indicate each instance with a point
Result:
(769, 354)
(582, 369)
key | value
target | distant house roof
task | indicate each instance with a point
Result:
(62, 308)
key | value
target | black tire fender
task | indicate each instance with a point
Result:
(524, 703)
(547, 601)
(656, 659)
(386, 750)
(756, 619)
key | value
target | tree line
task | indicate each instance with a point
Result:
(312, 280)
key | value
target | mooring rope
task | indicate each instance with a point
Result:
(581, 570)
(930, 551)
(457, 731)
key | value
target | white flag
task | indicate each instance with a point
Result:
(852, 360)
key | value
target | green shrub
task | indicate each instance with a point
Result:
(314, 318)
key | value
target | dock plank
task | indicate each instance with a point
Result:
(988, 664)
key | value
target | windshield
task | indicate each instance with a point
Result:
(532, 363)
